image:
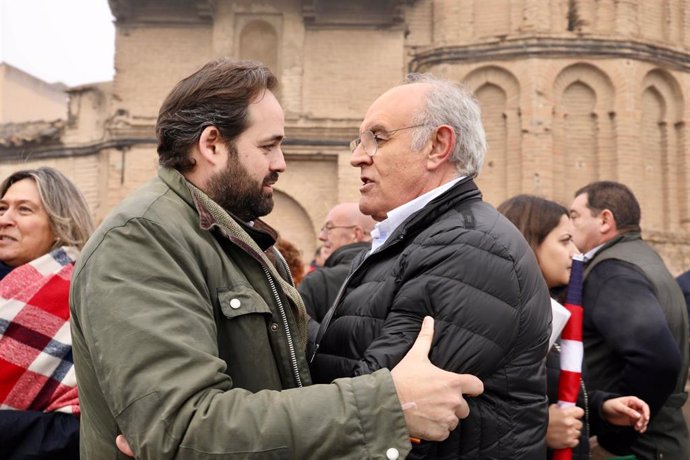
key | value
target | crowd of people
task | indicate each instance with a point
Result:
(185, 327)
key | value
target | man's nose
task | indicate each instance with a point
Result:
(359, 156)
(6, 217)
(278, 164)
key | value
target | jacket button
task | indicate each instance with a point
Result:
(235, 304)
(392, 454)
(274, 327)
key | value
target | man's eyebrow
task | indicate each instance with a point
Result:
(376, 128)
(272, 139)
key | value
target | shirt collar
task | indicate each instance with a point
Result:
(397, 216)
(591, 253)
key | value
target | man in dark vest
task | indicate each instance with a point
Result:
(635, 328)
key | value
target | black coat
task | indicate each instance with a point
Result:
(320, 287)
(463, 263)
(630, 350)
(28, 435)
(684, 283)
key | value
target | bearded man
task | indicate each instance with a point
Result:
(185, 334)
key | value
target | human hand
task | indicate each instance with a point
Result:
(564, 426)
(626, 411)
(431, 398)
(123, 445)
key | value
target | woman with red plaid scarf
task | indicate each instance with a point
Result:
(44, 222)
(547, 228)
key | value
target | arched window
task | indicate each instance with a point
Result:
(259, 41)
(661, 143)
(498, 93)
(583, 130)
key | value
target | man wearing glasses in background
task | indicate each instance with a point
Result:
(439, 250)
(346, 233)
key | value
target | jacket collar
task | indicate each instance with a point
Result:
(216, 217)
(346, 253)
(465, 190)
(630, 236)
(259, 231)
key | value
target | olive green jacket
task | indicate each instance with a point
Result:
(184, 334)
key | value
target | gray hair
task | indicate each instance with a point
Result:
(65, 205)
(449, 103)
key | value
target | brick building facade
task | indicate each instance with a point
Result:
(571, 91)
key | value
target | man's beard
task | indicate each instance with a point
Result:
(239, 194)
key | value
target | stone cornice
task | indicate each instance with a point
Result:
(339, 13)
(165, 11)
(28, 153)
(580, 48)
(61, 150)
(301, 139)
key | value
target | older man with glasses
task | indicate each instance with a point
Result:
(346, 233)
(439, 250)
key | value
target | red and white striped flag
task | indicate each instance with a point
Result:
(571, 347)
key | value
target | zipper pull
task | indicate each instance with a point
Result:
(313, 355)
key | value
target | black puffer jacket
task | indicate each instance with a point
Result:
(320, 287)
(463, 263)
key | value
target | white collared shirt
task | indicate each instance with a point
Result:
(397, 216)
(589, 254)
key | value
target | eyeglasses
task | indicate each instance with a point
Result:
(328, 227)
(370, 141)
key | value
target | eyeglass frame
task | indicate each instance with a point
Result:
(356, 142)
(328, 229)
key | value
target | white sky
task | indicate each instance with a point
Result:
(70, 41)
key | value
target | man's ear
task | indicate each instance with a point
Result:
(359, 233)
(442, 143)
(210, 145)
(608, 223)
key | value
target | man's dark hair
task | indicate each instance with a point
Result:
(218, 94)
(618, 199)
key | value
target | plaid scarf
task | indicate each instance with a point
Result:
(36, 368)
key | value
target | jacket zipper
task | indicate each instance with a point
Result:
(283, 315)
(584, 392)
(274, 290)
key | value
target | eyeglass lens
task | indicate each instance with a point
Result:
(368, 141)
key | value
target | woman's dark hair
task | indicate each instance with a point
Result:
(218, 94)
(534, 216)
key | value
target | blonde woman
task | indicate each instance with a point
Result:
(44, 222)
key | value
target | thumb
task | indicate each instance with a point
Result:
(471, 385)
(123, 445)
(420, 348)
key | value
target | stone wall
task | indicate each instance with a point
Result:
(24, 97)
(571, 91)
